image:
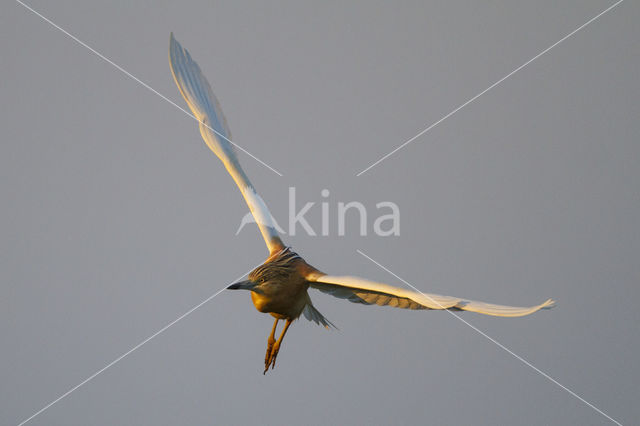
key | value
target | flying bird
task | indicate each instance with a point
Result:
(280, 285)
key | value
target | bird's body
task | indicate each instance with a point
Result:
(283, 300)
(282, 288)
(280, 285)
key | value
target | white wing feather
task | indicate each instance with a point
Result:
(360, 290)
(214, 130)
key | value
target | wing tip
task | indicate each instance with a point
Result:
(548, 304)
(174, 47)
(172, 41)
(504, 311)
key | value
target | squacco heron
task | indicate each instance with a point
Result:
(280, 285)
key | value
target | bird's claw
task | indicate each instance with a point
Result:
(270, 361)
(267, 356)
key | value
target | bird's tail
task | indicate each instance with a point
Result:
(312, 314)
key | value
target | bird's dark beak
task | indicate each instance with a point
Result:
(242, 285)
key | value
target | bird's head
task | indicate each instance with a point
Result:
(279, 268)
(242, 285)
(264, 275)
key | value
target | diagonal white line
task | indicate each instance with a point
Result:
(136, 347)
(128, 74)
(490, 87)
(500, 345)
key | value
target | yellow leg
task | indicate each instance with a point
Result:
(270, 342)
(276, 347)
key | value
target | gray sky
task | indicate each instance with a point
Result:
(117, 219)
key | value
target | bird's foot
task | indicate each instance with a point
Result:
(267, 356)
(274, 354)
(271, 361)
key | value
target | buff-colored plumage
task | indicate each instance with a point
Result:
(279, 286)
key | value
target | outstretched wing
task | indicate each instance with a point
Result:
(359, 290)
(214, 130)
